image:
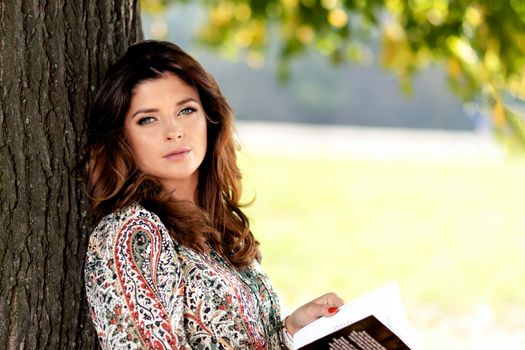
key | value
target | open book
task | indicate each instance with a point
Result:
(375, 321)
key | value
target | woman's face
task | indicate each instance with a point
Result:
(166, 129)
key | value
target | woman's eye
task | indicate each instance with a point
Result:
(146, 120)
(187, 111)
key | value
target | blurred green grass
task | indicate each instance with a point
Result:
(452, 233)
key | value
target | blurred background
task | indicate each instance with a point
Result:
(381, 140)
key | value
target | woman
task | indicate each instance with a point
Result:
(172, 262)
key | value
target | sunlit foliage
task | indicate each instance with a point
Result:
(481, 43)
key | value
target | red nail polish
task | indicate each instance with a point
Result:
(332, 310)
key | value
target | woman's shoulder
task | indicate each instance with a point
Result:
(124, 223)
(122, 217)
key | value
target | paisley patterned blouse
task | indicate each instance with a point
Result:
(147, 292)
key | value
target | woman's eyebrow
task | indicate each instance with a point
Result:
(144, 110)
(186, 100)
(150, 110)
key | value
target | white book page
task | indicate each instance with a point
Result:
(384, 303)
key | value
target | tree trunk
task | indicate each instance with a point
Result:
(52, 56)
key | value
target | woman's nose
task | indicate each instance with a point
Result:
(174, 132)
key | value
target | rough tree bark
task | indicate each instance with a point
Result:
(52, 56)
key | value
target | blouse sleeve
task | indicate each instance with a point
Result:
(133, 285)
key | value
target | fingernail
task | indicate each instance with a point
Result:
(332, 310)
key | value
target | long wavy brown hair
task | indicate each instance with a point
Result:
(113, 180)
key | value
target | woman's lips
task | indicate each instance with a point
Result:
(178, 154)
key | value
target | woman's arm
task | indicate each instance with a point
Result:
(131, 275)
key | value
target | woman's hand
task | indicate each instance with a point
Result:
(325, 305)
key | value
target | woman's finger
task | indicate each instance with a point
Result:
(329, 299)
